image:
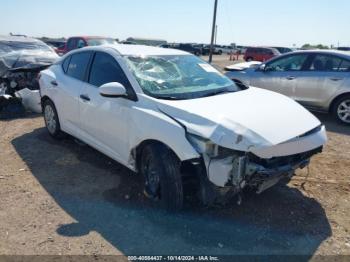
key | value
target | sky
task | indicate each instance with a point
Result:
(244, 22)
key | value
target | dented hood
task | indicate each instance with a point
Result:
(252, 118)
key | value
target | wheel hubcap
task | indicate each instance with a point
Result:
(152, 179)
(344, 111)
(50, 119)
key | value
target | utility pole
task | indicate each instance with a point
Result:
(213, 33)
(216, 34)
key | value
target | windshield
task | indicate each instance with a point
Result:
(100, 41)
(178, 77)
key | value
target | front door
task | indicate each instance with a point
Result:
(281, 75)
(105, 121)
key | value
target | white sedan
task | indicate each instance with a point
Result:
(175, 119)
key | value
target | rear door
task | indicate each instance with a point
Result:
(281, 75)
(105, 121)
(69, 87)
(325, 74)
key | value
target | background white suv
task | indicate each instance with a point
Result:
(174, 118)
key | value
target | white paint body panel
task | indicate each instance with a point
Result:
(262, 118)
(252, 120)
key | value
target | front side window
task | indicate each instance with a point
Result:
(81, 43)
(105, 69)
(290, 63)
(325, 63)
(78, 65)
(71, 43)
(178, 77)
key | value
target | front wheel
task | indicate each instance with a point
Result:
(160, 168)
(341, 110)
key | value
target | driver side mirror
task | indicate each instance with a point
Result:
(113, 89)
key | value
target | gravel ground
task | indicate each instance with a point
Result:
(61, 197)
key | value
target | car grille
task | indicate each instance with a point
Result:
(285, 160)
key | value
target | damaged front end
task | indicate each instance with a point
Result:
(21, 60)
(227, 172)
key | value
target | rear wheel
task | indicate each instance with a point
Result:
(341, 110)
(51, 119)
(160, 168)
(249, 59)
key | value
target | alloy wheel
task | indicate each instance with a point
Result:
(50, 119)
(343, 111)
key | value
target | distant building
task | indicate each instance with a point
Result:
(146, 41)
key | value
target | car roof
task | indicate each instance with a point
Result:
(345, 54)
(136, 50)
(91, 37)
(23, 39)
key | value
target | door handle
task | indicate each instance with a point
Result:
(336, 79)
(54, 83)
(290, 77)
(85, 97)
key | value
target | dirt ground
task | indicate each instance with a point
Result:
(61, 197)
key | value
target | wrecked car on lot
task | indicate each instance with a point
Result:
(21, 60)
(175, 119)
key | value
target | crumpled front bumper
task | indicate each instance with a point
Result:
(266, 178)
(250, 170)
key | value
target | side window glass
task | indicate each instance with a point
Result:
(78, 64)
(344, 66)
(71, 44)
(65, 64)
(325, 63)
(105, 69)
(81, 43)
(290, 63)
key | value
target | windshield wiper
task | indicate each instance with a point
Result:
(168, 97)
(218, 93)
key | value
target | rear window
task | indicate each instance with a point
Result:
(78, 64)
(344, 66)
(65, 64)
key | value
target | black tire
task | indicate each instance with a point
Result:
(339, 106)
(53, 128)
(220, 52)
(249, 59)
(197, 53)
(160, 168)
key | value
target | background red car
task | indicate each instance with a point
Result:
(82, 41)
(261, 54)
